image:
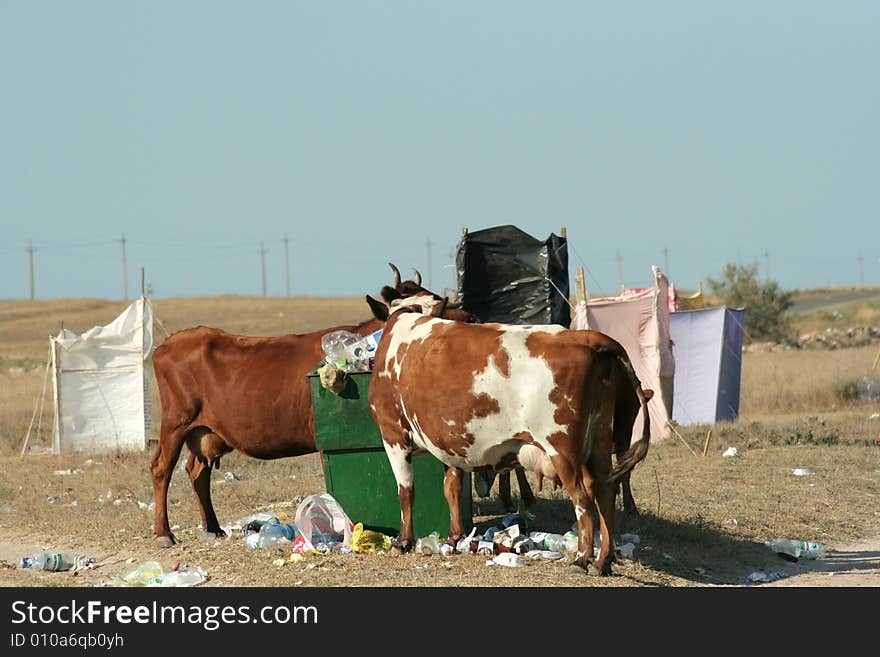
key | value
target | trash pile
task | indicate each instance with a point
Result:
(151, 573)
(830, 338)
(350, 352)
(322, 526)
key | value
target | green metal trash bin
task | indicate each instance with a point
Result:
(357, 471)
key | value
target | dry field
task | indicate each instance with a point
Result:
(704, 519)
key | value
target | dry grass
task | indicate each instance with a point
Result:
(704, 519)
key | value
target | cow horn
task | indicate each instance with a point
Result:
(396, 275)
(418, 277)
(439, 310)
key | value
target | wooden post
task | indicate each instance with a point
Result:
(582, 285)
(706, 444)
(563, 232)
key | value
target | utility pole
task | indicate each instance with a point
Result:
(286, 265)
(666, 261)
(30, 251)
(124, 271)
(619, 259)
(861, 271)
(767, 264)
(262, 253)
(430, 280)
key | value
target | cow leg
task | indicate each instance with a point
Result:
(205, 449)
(596, 488)
(161, 469)
(504, 492)
(570, 475)
(525, 490)
(200, 475)
(400, 457)
(452, 491)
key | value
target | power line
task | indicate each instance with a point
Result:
(262, 253)
(286, 265)
(30, 251)
(124, 271)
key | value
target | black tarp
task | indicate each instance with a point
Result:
(506, 275)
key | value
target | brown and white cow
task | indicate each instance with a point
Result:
(222, 392)
(494, 395)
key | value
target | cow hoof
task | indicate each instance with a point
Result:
(166, 541)
(600, 570)
(402, 547)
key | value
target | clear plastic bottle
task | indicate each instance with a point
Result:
(272, 534)
(571, 541)
(179, 578)
(55, 561)
(789, 547)
(552, 542)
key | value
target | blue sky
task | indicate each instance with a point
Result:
(361, 130)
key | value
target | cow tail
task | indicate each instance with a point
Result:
(637, 452)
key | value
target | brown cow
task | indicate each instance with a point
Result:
(486, 395)
(221, 392)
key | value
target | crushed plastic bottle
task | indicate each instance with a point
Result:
(570, 542)
(56, 561)
(869, 389)
(792, 550)
(551, 542)
(141, 575)
(179, 578)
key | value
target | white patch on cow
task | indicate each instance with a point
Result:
(451, 423)
(523, 398)
(404, 332)
(402, 468)
(424, 301)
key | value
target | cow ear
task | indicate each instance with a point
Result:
(390, 294)
(380, 310)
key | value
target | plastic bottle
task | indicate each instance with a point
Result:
(55, 561)
(509, 559)
(571, 541)
(141, 575)
(552, 542)
(789, 547)
(272, 534)
(179, 578)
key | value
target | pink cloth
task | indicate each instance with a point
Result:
(639, 320)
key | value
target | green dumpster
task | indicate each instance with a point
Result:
(357, 471)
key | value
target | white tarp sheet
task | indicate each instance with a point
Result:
(708, 362)
(639, 320)
(102, 392)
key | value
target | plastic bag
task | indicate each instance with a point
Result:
(321, 519)
(365, 540)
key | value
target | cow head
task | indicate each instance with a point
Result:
(411, 294)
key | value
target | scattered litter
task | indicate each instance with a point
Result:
(51, 499)
(140, 575)
(668, 557)
(231, 476)
(69, 472)
(366, 540)
(509, 559)
(761, 576)
(6, 508)
(7, 565)
(874, 416)
(446, 549)
(146, 507)
(699, 570)
(731, 451)
(626, 550)
(179, 578)
(423, 566)
(279, 562)
(801, 472)
(630, 538)
(791, 549)
(869, 389)
(731, 521)
(544, 555)
(428, 545)
(130, 560)
(72, 503)
(90, 462)
(57, 561)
